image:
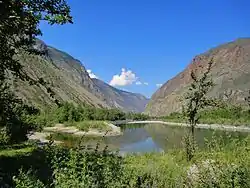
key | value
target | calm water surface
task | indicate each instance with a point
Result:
(157, 137)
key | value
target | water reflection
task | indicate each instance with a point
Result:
(160, 137)
(156, 138)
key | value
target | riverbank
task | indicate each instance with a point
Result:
(242, 128)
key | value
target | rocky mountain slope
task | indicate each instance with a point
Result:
(230, 72)
(122, 99)
(70, 81)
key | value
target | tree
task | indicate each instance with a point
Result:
(196, 99)
(19, 21)
(19, 26)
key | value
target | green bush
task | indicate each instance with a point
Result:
(88, 169)
(4, 138)
(228, 115)
(13, 116)
(27, 180)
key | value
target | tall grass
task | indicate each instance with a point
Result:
(220, 164)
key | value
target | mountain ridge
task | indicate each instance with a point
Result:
(67, 77)
(230, 72)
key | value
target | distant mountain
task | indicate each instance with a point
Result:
(121, 99)
(70, 81)
(230, 72)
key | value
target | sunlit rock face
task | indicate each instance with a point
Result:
(230, 73)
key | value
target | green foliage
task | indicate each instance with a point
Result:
(19, 27)
(19, 21)
(88, 169)
(157, 169)
(229, 115)
(70, 112)
(195, 100)
(81, 115)
(14, 151)
(137, 116)
(99, 125)
(174, 116)
(27, 180)
(14, 124)
(4, 137)
(220, 164)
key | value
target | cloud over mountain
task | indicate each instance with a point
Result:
(91, 74)
(126, 77)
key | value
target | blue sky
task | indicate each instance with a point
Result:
(154, 39)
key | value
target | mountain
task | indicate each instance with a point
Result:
(230, 73)
(69, 80)
(122, 99)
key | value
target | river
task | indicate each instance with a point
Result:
(141, 138)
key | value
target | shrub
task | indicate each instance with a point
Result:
(4, 138)
(68, 112)
(27, 180)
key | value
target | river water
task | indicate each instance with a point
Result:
(140, 138)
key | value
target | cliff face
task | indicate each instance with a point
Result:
(69, 80)
(230, 73)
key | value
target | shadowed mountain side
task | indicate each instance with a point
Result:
(70, 81)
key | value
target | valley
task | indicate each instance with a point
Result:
(75, 105)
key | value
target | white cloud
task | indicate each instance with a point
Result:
(124, 79)
(158, 85)
(138, 83)
(141, 83)
(91, 74)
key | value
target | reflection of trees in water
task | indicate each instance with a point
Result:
(131, 134)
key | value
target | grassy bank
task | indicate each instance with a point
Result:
(88, 125)
(15, 152)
